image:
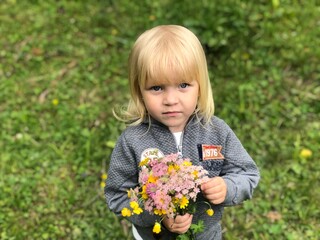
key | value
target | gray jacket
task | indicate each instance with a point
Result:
(237, 169)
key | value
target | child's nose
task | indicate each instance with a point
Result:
(170, 97)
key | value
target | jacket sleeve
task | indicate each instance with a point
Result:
(123, 174)
(239, 171)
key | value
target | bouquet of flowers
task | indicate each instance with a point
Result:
(168, 186)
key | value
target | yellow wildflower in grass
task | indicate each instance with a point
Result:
(275, 3)
(157, 228)
(184, 202)
(125, 212)
(104, 176)
(55, 102)
(144, 162)
(305, 153)
(245, 56)
(114, 32)
(152, 17)
(137, 210)
(210, 212)
(102, 184)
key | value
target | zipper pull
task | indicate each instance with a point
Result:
(179, 148)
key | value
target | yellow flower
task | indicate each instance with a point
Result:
(184, 202)
(275, 3)
(305, 153)
(152, 17)
(144, 162)
(134, 205)
(157, 228)
(55, 102)
(176, 167)
(152, 179)
(129, 193)
(114, 32)
(195, 174)
(144, 194)
(210, 212)
(104, 176)
(102, 184)
(187, 163)
(170, 168)
(175, 200)
(137, 210)
(159, 212)
(245, 56)
(125, 212)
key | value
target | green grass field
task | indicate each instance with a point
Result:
(63, 69)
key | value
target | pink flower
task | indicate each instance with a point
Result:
(151, 189)
(166, 182)
(144, 175)
(161, 200)
(159, 169)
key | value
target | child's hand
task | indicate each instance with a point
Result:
(179, 224)
(215, 190)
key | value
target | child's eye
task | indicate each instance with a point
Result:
(184, 85)
(156, 88)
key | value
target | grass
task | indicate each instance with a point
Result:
(63, 68)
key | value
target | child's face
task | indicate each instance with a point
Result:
(171, 103)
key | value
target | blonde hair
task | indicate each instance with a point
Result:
(155, 55)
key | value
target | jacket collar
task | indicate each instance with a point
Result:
(194, 118)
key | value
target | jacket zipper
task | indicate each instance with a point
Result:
(179, 146)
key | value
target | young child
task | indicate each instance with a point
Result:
(171, 111)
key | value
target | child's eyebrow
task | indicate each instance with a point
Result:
(167, 80)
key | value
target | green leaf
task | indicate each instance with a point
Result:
(197, 228)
